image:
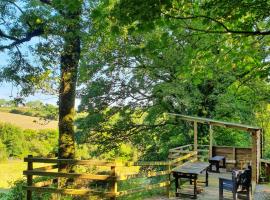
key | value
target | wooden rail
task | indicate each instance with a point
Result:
(113, 174)
(236, 157)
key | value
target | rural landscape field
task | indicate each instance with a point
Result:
(12, 168)
(123, 99)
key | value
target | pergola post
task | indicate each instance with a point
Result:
(196, 138)
(210, 141)
(256, 155)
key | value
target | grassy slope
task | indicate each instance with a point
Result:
(27, 122)
(12, 170)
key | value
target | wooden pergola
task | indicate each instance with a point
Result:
(255, 133)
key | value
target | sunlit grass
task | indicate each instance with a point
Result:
(12, 170)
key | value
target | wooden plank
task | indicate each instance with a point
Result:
(217, 122)
(192, 168)
(69, 175)
(183, 158)
(43, 183)
(145, 163)
(254, 156)
(181, 147)
(113, 182)
(143, 175)
(233, 153)
(29, 178)
(71, 161)
(46, 168)
(195, 136)
(147, 187)
(210, 141)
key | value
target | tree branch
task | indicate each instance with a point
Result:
(226, 29)
(48, 2)
(17, 41)
(4, 35)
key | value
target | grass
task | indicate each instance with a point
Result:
(12, 170)
(27, 122)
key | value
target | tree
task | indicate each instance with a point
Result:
(144, 71)
(53, 30)
(210, 16)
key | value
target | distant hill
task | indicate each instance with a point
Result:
(27, 122)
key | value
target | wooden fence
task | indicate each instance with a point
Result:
(236, 157)
(110, 174)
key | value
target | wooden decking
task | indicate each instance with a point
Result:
(211, 192)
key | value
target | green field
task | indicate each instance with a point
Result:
(12, 170)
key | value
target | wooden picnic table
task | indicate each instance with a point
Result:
(190, 171)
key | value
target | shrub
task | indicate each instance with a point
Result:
(18, 143)
(16, 111)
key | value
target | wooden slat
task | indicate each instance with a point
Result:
(143, 175)
(71, 161)
(43, 183)
(146, 163)
(183, 158)
(182, 147)
(46, 168)
(217, 122)
(195, 136)
(69, 175)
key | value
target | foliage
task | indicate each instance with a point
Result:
(17, 192)
(34, 109)
(19, 143)
(144, 66)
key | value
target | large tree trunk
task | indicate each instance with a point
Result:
(69, 68)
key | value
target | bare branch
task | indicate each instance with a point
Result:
(27, 38)
(4, 35)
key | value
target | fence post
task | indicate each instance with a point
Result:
(114, 182)
(29, 178)
(169, 179)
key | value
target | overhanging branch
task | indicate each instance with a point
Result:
(226, 29)
(17, 41)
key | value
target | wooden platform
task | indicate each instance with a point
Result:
(211, 192)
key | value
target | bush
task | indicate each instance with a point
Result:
(18, 143)
(18, 193)
(16, 111)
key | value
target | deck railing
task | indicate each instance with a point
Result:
(236, 157)
(111, 174)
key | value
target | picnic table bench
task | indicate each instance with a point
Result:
(216, 161)
(190, 171)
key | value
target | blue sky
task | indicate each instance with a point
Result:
(8, 92)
